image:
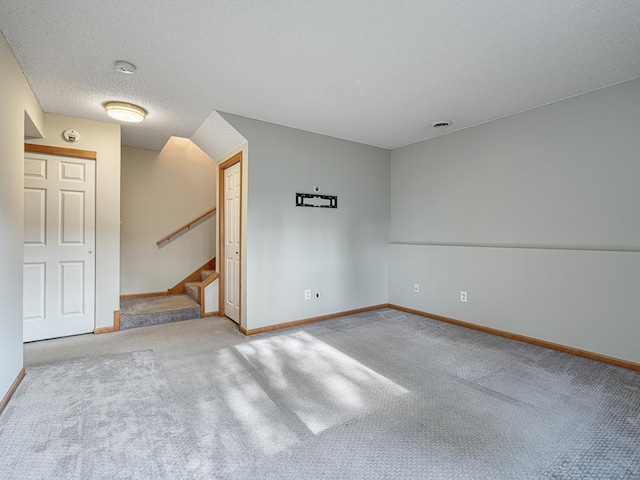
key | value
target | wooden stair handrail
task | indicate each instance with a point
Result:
(186, 226)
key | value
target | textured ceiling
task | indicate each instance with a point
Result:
(373, 71)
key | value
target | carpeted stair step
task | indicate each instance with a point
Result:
(141, 312)
(192, 289)
(204, 274)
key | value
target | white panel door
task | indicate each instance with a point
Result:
(59, 245)
(232, 242)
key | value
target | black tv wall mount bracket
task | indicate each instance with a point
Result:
(316, 200)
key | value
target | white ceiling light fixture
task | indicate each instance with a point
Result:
(125, 112)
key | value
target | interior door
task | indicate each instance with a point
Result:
(232, 242)
(59, 245)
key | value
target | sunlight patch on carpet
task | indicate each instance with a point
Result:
(253, 411)
(322, 385)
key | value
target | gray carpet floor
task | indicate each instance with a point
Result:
(378, 395)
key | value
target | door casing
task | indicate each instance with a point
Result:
(237, 158)
(73, 156)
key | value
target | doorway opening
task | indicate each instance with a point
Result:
(59, 242)
(230, 234)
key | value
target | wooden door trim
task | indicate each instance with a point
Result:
(237, 158)
(67, 152)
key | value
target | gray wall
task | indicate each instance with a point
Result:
(16, 101)
(340, 253)
(535, 215)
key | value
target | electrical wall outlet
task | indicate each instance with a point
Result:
(463, 296)
(307, 294)
(416, 287)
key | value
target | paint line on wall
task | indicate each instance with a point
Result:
(525, 247)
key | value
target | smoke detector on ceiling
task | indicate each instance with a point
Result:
(442, 124)
(125, 67)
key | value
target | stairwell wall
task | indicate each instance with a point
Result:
(160, 192)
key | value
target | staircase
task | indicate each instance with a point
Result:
(193, 288)
(172, 307)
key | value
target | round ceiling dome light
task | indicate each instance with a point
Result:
(442, 124)
(125, 112)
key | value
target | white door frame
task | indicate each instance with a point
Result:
(237, 158)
